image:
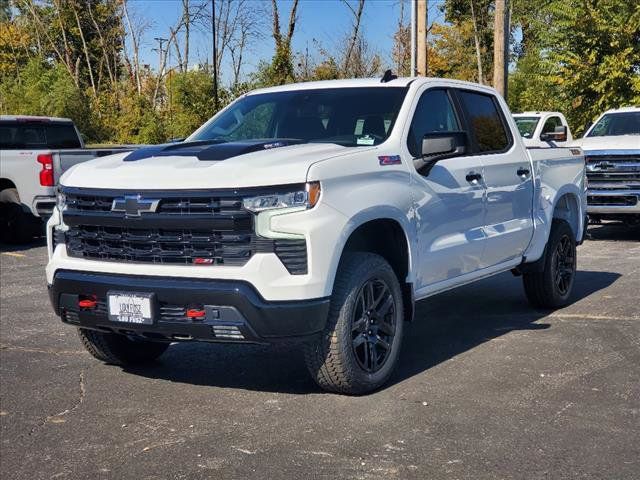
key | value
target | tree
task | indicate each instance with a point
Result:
(586, 57)
(281, 68)
(501, 47)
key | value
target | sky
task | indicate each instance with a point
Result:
(326, 21)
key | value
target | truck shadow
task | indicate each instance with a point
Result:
(613, 232)
(446, 325)
(36, 242)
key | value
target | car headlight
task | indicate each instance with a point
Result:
(305, 197)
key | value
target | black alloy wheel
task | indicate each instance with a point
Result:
(373, 325)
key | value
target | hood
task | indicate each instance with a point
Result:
(198, 165)
(617, 142)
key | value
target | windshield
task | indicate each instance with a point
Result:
(527, 125)
(611, 124)
(349, 116)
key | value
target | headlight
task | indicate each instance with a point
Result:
(61, 200)
(306, 197)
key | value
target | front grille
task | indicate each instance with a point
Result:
(160, 245)
(611, 200)
(609, 172)
(183, 229)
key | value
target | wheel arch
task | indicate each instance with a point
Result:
(567, 207)
(376, 234)
(6, 183)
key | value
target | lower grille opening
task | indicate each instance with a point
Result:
(228, 332)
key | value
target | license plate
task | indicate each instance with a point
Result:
(131, 307)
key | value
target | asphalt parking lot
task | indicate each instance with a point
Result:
(487, 388)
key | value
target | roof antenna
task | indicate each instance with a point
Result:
(388, 76)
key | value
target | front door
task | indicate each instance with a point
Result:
(448, 200)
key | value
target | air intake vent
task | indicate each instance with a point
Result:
(227, 332)
(293, 254)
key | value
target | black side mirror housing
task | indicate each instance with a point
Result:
(558, 135)
(437, 146)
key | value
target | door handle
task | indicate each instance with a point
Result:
(473, 177)
(523, 172)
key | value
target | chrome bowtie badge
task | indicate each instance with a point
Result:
(134, 205)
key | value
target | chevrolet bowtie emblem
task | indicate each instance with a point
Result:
(134, 205)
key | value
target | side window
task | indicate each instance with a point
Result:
(434, 113)
(485, 121)
(551, 124)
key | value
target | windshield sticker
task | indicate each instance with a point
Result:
(366, 140)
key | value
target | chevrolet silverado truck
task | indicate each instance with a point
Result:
(612, 152)
(319, 213)
(34, 152)
(543, 129)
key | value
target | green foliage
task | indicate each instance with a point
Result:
(45, 89)
(584, 59)
(190, 102)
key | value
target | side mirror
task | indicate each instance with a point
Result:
(437, 146)
(558, 135)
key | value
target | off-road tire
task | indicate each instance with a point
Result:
(541, 287)
(119, 349)
(16, 225)
(331, 359)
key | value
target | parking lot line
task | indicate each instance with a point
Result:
(13, 254)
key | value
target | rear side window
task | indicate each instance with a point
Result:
(38, 135)
(485, 121)
(434, 113)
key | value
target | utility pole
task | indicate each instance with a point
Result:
(421, 20)
(160, 41)
(500, 47)
(215, 55)
(413, 37)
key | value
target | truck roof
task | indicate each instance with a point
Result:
(367, 82)
(536, 113)
(34, 118)
(623, 109)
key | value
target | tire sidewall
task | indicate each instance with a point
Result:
(560, 229)
(365, 273)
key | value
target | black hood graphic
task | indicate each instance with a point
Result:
(209, 150)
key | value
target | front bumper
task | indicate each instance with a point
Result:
(615, 202)
(235, 311)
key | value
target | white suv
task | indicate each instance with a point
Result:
(318, 213)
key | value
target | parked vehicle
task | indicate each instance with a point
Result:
(34, 152)
(612, 151)
(543, 129)
(317, 212)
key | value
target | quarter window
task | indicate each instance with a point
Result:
(485, 121)
(434, 113)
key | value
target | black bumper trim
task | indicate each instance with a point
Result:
(262, 321)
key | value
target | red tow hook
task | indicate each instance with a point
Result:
(90, 302)
(195, 313)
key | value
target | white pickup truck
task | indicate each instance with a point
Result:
(543, 129)
(612, 151)
(317, 212)
(34, 152)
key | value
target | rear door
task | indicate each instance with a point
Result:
(507, 177)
